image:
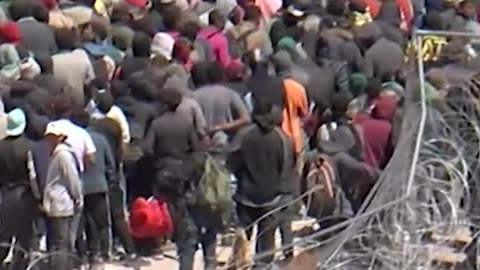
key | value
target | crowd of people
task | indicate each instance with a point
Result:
(298, 102)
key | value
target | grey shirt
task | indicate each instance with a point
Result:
(220, 105)
(63, 188)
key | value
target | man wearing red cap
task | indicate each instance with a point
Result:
(10, 33)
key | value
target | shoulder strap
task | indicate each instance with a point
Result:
(329, 173)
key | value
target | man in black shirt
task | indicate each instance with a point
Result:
(18, 204)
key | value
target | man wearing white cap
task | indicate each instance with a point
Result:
(62, 196)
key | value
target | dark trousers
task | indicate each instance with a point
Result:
(193, 226)
(95, 224)
(267, 226)
(119, 224)
(59, 242)
(17, 212)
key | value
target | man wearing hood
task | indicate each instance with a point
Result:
(286, 69)
(341, 46)
(263, 162)
(382, 56)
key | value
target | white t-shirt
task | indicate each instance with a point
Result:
(78, 139)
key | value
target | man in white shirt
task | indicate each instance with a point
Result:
(77, 138)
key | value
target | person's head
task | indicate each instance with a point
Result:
(100, 31)
(199, 73)
(181, 50)
(49, 4)
(171, 16)
(357, 6)
(433, 21)
(80, 118)
(216, 73)
(374, 88)
(21, 9)
(16, 122)
(61, 106)
(468, 9)
(141, 45)
(216, 19)
(141, 87)
(67, 39)
(104, 101)
(358, 82)
(339, 106)
(120, 14)
(10, 33)
(337, 7)
(171, 98)
(54, 135)
(190, 30)
(236, 72)
(162, 46)
(253, 14)
(45, 63)
(236, 16)
(41, 13)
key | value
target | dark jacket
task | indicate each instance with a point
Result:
(38, 37)
(13, 161)
(102, 174)
(263, 168)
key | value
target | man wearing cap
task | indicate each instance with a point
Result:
(18, 203)
(62, 195)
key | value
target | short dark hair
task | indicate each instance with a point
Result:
(80, 118)
(104, 101)
(199, 73)
(252, 13)
(340, 103)
(215, 18)
(21, 9)
(41, 13)
(171, 98)
(141, 87)
(190, 30)
(337, 7)
(171, 15)
(61, 105)
(141, 44)
(216, 73)
(373, 88)
(67, 39)
(433, 20)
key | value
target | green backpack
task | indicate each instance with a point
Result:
(214, 186)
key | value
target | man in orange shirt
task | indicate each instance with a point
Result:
(296, 107)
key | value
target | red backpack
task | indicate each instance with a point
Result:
(150, 219)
